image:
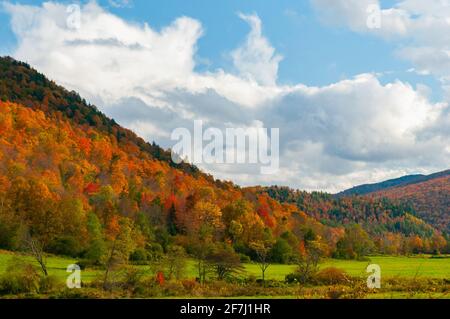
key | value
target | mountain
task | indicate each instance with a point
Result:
(401, 181)
(71, 177)
(382, 218)
(75, 181)
(429, 195)
(19, 83)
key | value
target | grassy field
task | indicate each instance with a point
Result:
(420, 267)
(407, 267)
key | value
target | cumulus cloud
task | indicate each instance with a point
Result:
(358, 15)
(423, 25)
(332, 137)
(256, 60)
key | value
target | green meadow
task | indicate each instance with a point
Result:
(401, 267)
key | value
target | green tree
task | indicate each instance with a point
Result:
(356, 243)
(308, 261)
(175, 261)
(281, 252)
(201, 247)
(224, 261)
(97, 246)
(120, 247)
(172, 221)
(262, 252)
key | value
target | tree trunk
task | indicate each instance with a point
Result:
(38, 253)
(108, 266)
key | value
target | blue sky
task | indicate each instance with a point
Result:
(354, 104)
(314, 54)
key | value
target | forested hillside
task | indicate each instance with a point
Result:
(427, 195)
(21, 84)
(392, 183)
(70, 185)
(370, 188)
(395, 226)
(430, 199)
(74, 183)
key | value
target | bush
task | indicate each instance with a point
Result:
(245, 259)
(189, 284)
(65, 246)
(48, 284)
(85, 293)
(173, 289)
(155, 252)
(336, 292)
(139, 256)
(19, 278)
(132, 279)
(281, 252)
(86, 263)
(291, 278)
(331, 276)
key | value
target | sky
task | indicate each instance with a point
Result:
(358, 88)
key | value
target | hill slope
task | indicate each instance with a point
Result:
(429, 195)
(401, 181)
(75, 181)
(71, 177)
(21, 84)
(430, 198)
(385, 220)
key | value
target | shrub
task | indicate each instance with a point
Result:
(172, 289)
(189, 285)
(331, 276)
(245, 259)
(19, 278)
(132, 279)
(291, 278)
(65, 246)
(251, 279)
(336, 292)
(86, 263)
(48, 284)
(139, 256)
(281, 252)
(85, 293)
(155, 252)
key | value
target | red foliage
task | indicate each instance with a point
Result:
(113, 228)
(263, 212)
(92, 188)
(160, 278)
(171, 200)
(147, 198)
(85, 145)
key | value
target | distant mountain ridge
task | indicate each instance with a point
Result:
(396, 182)
(429, 195)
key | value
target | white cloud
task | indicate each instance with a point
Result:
(354, 131)
(256, 59)
(121, 3)
(356, 13)
(423, 25)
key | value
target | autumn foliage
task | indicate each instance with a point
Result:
(82, 186)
